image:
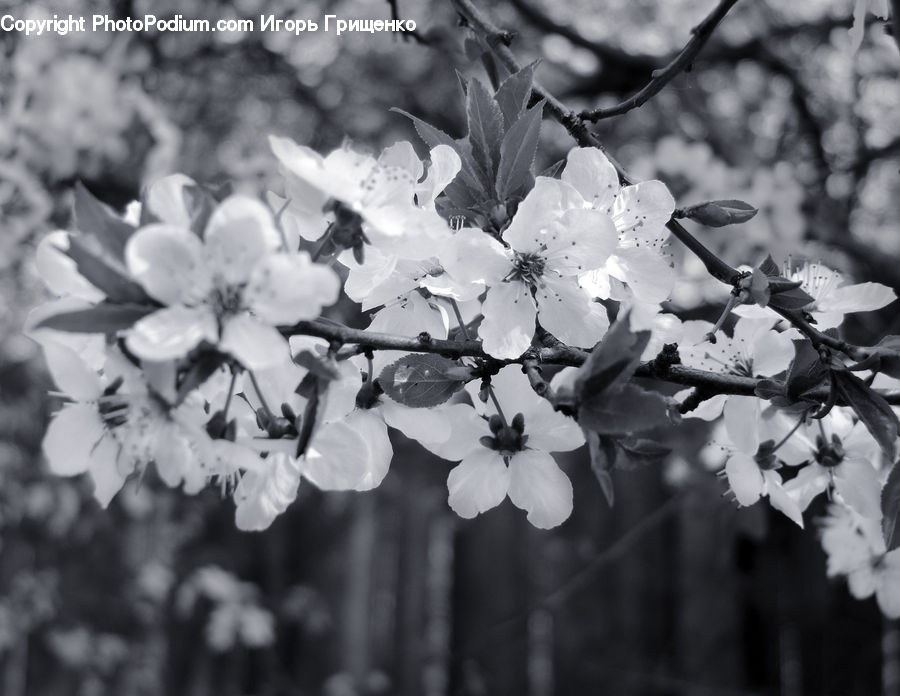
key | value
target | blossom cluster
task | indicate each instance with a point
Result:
(185, 336)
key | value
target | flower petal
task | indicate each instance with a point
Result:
(239, 233)
(508, 325)
(105, 471)
(285, 288)
(864, 297)
(264, 494)
(568, 312)
(416, 423)
(650, 275)
(581, 241)
(71, 437)
(70, 373)
(59, 272)
(165, 200)
(169, 263)
(591, 173)
(171, 333)
(538, 486)
(255, 344)
(857, 482)
(780, 500)
(742, 422)
(480, 482)
(744, 478)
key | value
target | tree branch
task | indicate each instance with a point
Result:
(660, 78)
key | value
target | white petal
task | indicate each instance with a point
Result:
(445, 165)
(864, 297)
(592, 175)
(353, 454)
(538, 486)
(582, 240)
(857, 482)
(169, 263)
(771, 351)
(650, 276)
(466, 428)
(540, 209)
(472, 256)
(744, 478)
(285, 288)
(71, 437)
(780, 500)
(105, 472)
(402, 154)
(240, 232)
(171, 333)
(710, 409)
(416, 423)
(255, 344)
(568, 312)
(263, 495)
(480, 482)
(165, 199)
(642, 211)
(809, 482)
(550, 430)
(70, 373)
(508, 325)
(742, 422)
(59, 272)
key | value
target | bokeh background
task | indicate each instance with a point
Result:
(673, 591)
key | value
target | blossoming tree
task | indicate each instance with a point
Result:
(516, 313)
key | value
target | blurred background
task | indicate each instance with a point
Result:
(673, 591)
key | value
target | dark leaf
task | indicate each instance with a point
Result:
(512, 96)
(321, 366)
(517, 153)
(613, 360)
(871, 408)
(806, 371)
(629, 409)
(890, 508)
(202, 368)
(486, 129)
(769, 267)
(790, 298)
(103, 318)
(96, 220)
(883, 357)
(104, 273)
(422, 380)
(640, 452)
(603, 460)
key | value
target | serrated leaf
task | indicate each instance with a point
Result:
(721, 213)
(626, 410)
(603, 460)
(513, 93)
(872, 408)
(105, 273)
(639, 452)
(517, 153)
(422, 380)
(612, 361)
(95, 219)
(890, 509)
(486, 129)
(103, 318)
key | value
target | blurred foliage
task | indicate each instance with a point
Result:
(382, 592)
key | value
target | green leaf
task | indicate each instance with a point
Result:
(612, 361)
(721, 213)
(105, 273)
(639, 452)
(94, 219)
(486, 130)
(106, 318)
(603, 460)
(513, 93)
(873, 410)
(883, 357)
(422, 380)
(629, 409)
(806, 371)
(517, 153)
(770, 288)
(890, 509)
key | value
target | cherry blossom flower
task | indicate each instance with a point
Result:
(833, 296)
(372, 201)
(855, 548)
(840, 454)
(879, 8)
(549, 244)
(229, 289)
(755, 350)
(499, 458)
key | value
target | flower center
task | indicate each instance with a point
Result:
(506, 439)
(225, 299)
(829, 454)
(742, 367)
(527, 267)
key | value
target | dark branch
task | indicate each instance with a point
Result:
(660, 78)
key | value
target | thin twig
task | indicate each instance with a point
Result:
(660, 78)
